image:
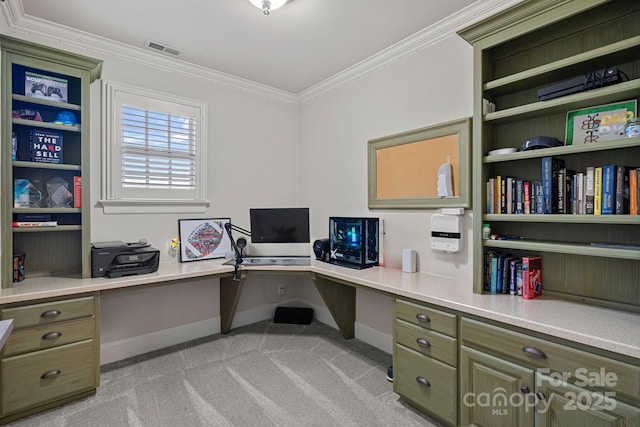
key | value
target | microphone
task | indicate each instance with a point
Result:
(228, 226)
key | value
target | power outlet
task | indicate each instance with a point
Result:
(281, 289)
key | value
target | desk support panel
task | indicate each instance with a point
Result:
(341, 302)
(230, 290)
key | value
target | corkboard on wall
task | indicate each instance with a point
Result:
(411, 170)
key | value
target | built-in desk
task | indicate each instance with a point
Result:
(608, 329)
(444, 310)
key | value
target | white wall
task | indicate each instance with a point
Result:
(428, 87)
(266, 152)
(251, 162)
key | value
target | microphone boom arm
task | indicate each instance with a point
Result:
(228, 226)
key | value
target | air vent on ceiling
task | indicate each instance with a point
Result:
(158, 47)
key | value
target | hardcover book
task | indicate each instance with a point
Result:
(46, 146)
(589, 190)
(531, 277)
(77, 191)
(513, 275)
(18, 267)
(497, 202)
(633, 193)
(597, 191)
(550, 168)
(622, 190)
(608, 189)
(519, 196)
(580, 193)
(539, 198)
(493, 286)
(569, 178)
(526, 196)
(561, 191)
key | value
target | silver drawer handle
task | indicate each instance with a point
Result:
(423, 317)
(534, 352)
(51, 313)
(51, 374)
(423, 343)
(423, 381)
(51, 335)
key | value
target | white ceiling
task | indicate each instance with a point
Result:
(295, 48)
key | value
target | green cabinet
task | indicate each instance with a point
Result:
(425, 358)
(531, 46)
(494, 392)
(52, 356)
(45, 159)
(569, 406)
(510, 378)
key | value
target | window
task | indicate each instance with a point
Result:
(152, 148)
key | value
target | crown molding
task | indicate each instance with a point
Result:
(64, 37)
(67, 38)
(429, 36)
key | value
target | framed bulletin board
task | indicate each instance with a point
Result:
(422, 168)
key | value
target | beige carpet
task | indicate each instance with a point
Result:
(263, 374)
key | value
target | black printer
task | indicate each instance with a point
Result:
(117, 259)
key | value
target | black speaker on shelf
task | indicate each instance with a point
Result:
(321, 249)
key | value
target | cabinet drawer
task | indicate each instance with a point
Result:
(41, 314)
(426, 317)
(425, 382)
(71, 370)
(429, 343)
(586, 369)
(46, 336)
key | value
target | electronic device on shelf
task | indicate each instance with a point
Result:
(353, 242)
(591, 80)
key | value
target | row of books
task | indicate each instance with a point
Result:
(506, 274)
(599, 190)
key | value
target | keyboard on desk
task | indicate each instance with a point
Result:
(274, 260)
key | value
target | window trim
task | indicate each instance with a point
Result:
(111, 195)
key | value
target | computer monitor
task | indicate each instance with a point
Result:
(279, 225)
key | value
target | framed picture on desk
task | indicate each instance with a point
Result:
(203, 239)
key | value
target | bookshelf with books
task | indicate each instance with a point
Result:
(588, 257)
(45, 115)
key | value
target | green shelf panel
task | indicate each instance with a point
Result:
(564, 248)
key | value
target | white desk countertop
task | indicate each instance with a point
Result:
(6, 326)
(600, 327)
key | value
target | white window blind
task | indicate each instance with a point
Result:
(152, 149)
(158, 150)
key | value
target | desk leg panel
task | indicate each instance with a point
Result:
(341, 302)
(230, 290)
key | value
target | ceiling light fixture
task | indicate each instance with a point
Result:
(268, 5)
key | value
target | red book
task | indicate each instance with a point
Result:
(526, 195)
(77, 191)
(633, 184)
(531, 277)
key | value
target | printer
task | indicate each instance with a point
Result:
(117, 259)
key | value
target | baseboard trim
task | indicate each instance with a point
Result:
(129, 347)
(122, 349)
(374, 337)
